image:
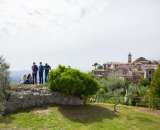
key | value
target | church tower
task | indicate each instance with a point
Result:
(129, 58)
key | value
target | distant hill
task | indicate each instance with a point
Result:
(16, 75)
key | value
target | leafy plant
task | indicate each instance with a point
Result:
(4, 81)
(72, 82)
(144, 83)
(155, 87)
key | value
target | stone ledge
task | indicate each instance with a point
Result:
(25, 96)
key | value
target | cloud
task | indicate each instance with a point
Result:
(77, 32)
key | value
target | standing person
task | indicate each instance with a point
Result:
(41, 69)
(34, 73)
(46, 68)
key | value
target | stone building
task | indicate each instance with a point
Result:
(134, 71)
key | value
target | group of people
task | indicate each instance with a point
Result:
(36, 69)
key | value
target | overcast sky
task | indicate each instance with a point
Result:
(78, 32)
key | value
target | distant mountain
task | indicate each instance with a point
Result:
(16, 75)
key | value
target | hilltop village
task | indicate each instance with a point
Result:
(133, 70)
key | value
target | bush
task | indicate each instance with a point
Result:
(101, 91)
(143, 83)
(72, 82)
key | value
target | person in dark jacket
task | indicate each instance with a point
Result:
(41, 69)
(46, 69)
(30, 79)
(34, 73)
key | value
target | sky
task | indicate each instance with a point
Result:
(78, 33)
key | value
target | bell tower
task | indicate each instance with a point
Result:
(129, 58)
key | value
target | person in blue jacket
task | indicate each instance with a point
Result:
(41, 69)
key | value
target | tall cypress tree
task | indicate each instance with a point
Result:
(155, 84)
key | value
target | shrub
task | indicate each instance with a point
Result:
(143, 83)
(101, 91)
(72, 82)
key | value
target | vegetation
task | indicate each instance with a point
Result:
(114, 88)
(155, 84)
(72, 82)
(95, 65)
(155, 87)
(100, 67)
(88, 117)
(144, 82)
(4, 81)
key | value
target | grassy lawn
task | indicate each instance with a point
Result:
(89, 117)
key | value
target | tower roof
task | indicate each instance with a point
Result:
(129, 54)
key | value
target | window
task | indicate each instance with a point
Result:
(150, 72)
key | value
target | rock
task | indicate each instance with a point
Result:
(22, 97)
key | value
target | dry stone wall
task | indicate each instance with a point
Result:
(31, 96)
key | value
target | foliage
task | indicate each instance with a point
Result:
(143, 82)
(72, 82)
(116, 87)
(100, 67)
(114, 82)
(103, 83)
(155, 86)
(134, 95)
(95, 65)
(4, 80)
(101, 91)
(155, 83)
(90, 73)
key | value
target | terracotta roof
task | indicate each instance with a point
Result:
(141, 59)
(100, 70)
(113, 63)
(149, 67)
(137, 71)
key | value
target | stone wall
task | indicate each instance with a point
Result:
(35, 95)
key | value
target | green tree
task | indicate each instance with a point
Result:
(72, 82)
(143, 88)
(155, 83)
(116, 88)
(100, 67)
(95, 65)
(114, 82)
(155, 88)
(143, 82)
(4, 81)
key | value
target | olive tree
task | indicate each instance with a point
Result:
(116, 87)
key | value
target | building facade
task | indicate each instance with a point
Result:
(134, 71)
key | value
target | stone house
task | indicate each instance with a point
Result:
(134, 71)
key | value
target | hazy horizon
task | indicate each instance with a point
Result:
(78, 33)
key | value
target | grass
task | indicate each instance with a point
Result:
(88, 117)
